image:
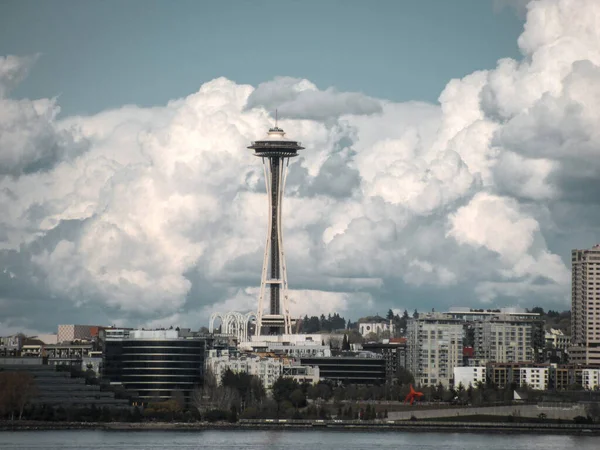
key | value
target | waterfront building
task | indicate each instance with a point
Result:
(434, 344)
(585, 306)
(266, 368)
(58, 389)
(155, 364)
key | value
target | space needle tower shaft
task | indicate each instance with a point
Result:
(275, 150)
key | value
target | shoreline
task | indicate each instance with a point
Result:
(406, 426)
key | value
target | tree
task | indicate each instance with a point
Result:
(297, 398)
(16, 391)
(345, 343)
(593, 411)
(390, 315)
(283, 388)
(371, 337)
(415, 314)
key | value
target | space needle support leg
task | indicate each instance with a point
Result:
(284, 288)
(263, 280)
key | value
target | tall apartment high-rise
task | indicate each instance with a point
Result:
(504, 338)
(585, 306)
(275, 150)
(434, 348)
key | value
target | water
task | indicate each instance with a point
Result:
(288, 440)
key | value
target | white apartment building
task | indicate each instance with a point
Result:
(590, 378)
(434, 346)
(469, 376)
(267, 369)
(585, 306)
(534, 377)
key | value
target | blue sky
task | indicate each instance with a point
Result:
(103, 54)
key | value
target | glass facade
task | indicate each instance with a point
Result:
(155, 369)
(349, 370)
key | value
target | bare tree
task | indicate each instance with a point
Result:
(16, 391)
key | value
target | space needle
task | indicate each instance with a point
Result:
(275, 150)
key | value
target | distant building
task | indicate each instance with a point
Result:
(472, 315)
(556, 377)
(11, 345)
(291, 345)
(155, 364)
(394, 353)
(266, 368)
(585, 305)
(67, 354)
(536, 376)
(508, 338)
(434, 348)
(58, 389)
(48, 338)
(469, 376)
(349, 370)
(557, 339)
(375, 325)
(70, 333)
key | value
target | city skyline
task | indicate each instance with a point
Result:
(138, 204)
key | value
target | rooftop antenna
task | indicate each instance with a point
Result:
(276, 119)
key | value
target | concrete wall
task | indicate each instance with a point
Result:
(565, 412)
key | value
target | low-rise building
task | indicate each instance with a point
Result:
(266, 368)
(290, 345)
(11, 345)
(349, 370)
(469, 376)
(555, 377)
(534, 377)
(68, 354)
(393, 351)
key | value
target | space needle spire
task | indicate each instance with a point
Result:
(275, 150)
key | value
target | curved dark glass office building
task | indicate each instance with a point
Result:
(155, 365)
